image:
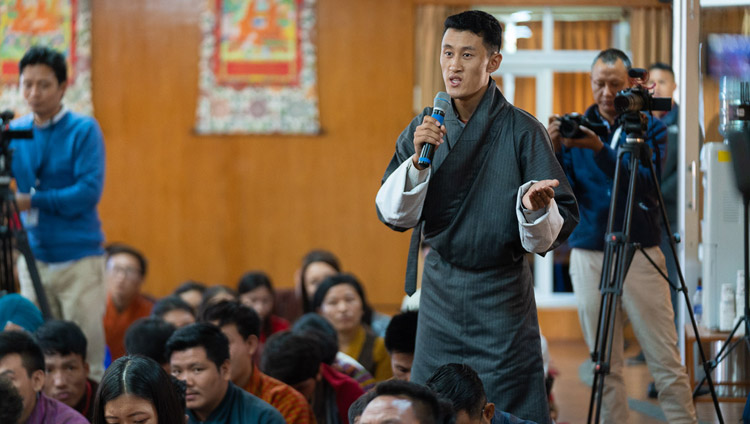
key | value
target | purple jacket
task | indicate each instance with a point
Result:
(51, 411)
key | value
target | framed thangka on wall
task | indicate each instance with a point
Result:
(258, 68)
(64, 25)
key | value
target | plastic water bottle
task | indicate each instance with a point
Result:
(698, 305)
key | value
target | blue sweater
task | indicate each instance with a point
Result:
(591, 176)
(64, 164)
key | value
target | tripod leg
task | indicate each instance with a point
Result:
(683, 289)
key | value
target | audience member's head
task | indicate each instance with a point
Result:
(341, 300)
(64, 347)
(241, 325)
(214, 295)
(136, 389)
(400, 338)
(256, 291)
(148, 337)
(322, 332)
(317, 265)
(18, 313)
(11, 403)
(609, 75)
(22, 362)
(43, 67)
(403, 402)
(199, 356)
(174, 310)
(294, 359)
(358, 406)
(126, 270)
(661, 76)
(461, 385)
(191, 292)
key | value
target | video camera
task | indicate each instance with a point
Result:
(631, 101)
(570, 126)
(6, 135)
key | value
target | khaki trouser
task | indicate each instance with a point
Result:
(76, 292)
(646, 302)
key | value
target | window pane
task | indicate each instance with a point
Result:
(583, 35)
(532, 29)
(572, 92)
(525, 96)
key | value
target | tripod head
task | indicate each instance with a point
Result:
(6, 135)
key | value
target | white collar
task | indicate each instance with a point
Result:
(55, 119)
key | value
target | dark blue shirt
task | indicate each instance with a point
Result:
(591, 176)
(239, 406)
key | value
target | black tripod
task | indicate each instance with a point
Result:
(11, 228)
(618, 254)
(739, 140)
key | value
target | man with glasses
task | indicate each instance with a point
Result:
(126, 270)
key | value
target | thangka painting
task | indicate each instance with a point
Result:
(64, 25)
(257, 68)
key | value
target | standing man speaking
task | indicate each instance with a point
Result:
(494, 192)
(60, 176)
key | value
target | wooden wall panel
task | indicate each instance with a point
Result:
(212, 207)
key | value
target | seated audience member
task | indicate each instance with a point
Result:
(341, 300)
(199, 356)
(328, 340)
(214, 295)
(135, 389)
(317, 265)
(256, 291)
(359, 405)
(67, 372)
(461, 385)
(400, 338)
(241, 325)
(11, 402)
(19, 313)
(126, 270)
(191, 292)
(397, 401)
(174, 310)
(148, 337)
(22, 362)
(296, 360)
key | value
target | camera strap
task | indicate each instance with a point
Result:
(616, 138)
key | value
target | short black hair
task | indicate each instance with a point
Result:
(611, 56)
(427, 407)
(359, 405)
(201, 334)
(145, 378)
(22, 344)
(322, 332)
(61, 338)
(243, 317)
(252, 280)
(42, 55)
(290, 357)
(461, 385)
(11, 402)
(480, 23)
(313, 256)
(188, 286)
(343, 278)
(117, 248)
(171, 303)
(212, 292)
(662, 67)
(401, 333)
(148, 337)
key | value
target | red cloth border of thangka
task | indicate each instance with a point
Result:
(225, 79)
(12, 77)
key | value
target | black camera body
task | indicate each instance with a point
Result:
(638, 99)
(570, 126)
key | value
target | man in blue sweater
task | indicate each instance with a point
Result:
(59, 177)
(589, 163)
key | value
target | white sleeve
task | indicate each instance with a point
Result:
(401, 197)
(538, 229)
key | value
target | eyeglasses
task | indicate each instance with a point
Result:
(129, 272)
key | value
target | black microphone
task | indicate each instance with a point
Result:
(442, 103)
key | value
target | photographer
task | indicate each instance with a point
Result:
(589, 162)
(60, 176)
